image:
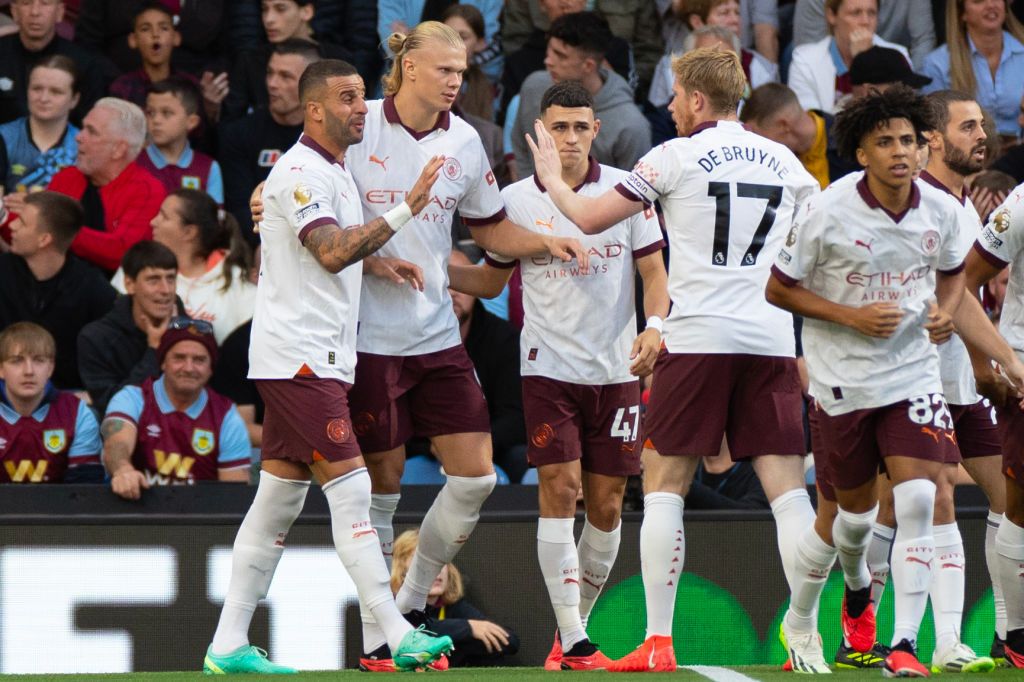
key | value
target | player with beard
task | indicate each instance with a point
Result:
(302, 356)
(729, 198)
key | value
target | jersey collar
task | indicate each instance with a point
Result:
(593, 175)
(161, 162)
(872, 201)
(165, 405)
(935, 182)
(391, 116)
(318, 148)
(701, 127)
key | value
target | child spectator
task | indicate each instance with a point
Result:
(46, 435)
(172, 113)
(213, 260)
(154, 37)
(42, 143)
(478, 641)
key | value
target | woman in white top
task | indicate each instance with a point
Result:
(213, 260)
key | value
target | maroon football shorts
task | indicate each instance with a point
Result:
(1012, 421)
(306, 420)
(977, 430)
(857, 443)
(753, 400)
(396, 397)
(598, 425)
(822, 475)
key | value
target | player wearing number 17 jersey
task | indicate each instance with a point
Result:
(729, 197)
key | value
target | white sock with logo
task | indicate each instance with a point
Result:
(1010, 546)
(814, 559)
(947, 588)
(348, 498)
(255, 555)
(446, 527)
(597, 551)
(662, 554)
(992, 562)
(793, 515)
(560, 566)
(912, 553)
(382, 511)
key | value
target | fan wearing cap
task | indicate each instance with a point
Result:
(879, 68)
(173, 430)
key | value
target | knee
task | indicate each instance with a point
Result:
(471, 490)
(944, 509)
(386, 474)
(604, 514)
(913, 498)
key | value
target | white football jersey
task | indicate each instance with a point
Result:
(395, 319)
(579, 326)
(1002, 244)
(304, 314)
(954, 362)
(729, 198)
(850, 250)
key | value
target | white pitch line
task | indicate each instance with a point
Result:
(718, 674)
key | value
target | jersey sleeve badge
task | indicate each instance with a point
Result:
(1001, 221)
(302, 195)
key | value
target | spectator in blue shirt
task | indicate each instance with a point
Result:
(984, 57)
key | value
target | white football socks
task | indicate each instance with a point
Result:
(913, 552)
(793, 515)
(382, 512)
(446, 527)
(992, 561)
(947, 588)
(597, 551)
(560, 566)
(662, 554)
(1010, 546)
(255, 555)
(813, 563)
(348, 498)
(852, 535)
(878, 560)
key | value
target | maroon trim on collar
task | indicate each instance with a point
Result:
(318, 148)
(936, 183)
(444, 119)
(700, 127)
(872, 202)
(593, 175)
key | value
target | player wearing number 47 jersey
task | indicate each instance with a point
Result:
(875, 268)
(729, 197)
(579, 363)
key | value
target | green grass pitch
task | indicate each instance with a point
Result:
(755, 673)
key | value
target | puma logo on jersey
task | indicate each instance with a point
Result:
(547, 224)
(866, 245)
(381, 162)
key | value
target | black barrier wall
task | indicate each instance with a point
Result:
(142, 597)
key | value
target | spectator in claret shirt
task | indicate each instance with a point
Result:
(119, 197)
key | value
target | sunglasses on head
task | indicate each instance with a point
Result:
(195, 326)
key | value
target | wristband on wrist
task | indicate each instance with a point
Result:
(397, 217)
(655, 322)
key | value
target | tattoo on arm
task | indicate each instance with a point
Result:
(117, 449)
(336, 248)
(110, 427)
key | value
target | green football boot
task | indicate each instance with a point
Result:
(420, 647)
(245, 659)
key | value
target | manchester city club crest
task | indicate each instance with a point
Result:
(202, 441)
(54, 440)
(452, 168)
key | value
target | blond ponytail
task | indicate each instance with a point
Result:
(401, 45)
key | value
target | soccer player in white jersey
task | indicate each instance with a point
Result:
(581, 396)
(729, 197)
(875, 268)
(414, 376)
(303, 358)
(1001, 244)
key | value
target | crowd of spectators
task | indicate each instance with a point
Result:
(133, 132)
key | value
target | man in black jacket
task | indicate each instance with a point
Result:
(493, 346)
(41, 282)
(120, 348)
(36, 39)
